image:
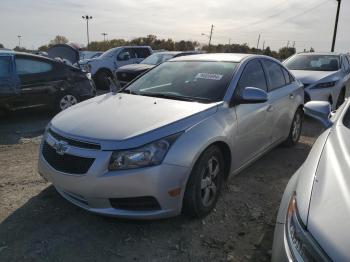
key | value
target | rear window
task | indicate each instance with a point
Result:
(276, 76)
(314, 63)
(5, 66)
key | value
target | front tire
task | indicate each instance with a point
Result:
(295, 129)
(341, 99)
(101, 79)
(204, 184)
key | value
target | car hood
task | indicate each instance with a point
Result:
(134, 68)
(329, 212)
(124, 120)
(311, 77)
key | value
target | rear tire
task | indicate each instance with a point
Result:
(204, 184)
(65, 101)
(295, 129)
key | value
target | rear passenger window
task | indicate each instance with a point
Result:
(5, 66)
(276, 75)
(346, 64)
(142, 52)
(253, 76)
(30, 66)
(287, 76)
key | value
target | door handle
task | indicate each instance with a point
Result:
(270, 108)
(291, 96)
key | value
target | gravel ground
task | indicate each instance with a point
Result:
(36, 224)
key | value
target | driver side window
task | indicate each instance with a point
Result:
(253, 76)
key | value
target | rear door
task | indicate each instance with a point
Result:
(142, 53)
(35, 76)
(253, 126)
(282, 92)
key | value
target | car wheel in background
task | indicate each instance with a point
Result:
(341, 99)
(65, 101)
(101, 79)
(295, 130)
(204, 183)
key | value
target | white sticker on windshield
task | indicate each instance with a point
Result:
(209, 76)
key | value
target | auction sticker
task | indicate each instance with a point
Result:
(209, 76)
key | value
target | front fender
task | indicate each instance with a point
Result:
(191, 144)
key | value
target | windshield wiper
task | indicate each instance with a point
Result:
(176, 97)
(127, 91)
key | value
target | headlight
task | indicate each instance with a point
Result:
(149, 155)
(300, 241)
(326, 85)
(88, 76)
(86, 67)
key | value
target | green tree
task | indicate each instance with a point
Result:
(1, 46)
(312, 50)
(59, 39)
(43, 48)
(286, 52)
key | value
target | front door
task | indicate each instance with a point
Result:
(34, 75)
(9, 82)
(253, 121)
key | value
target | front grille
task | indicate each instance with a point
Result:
(66, 163)
(146, 203)
(75, 143)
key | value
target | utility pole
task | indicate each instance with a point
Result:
(257, 46)
(294, 44)
(288, 44)
(87, 18)
(209, 36)
(336, 25)
(263, 45)
(229, 41)
(19, 41)
(104, 36)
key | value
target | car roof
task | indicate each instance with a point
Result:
(6, 51)
(320, 53)
(227, 57)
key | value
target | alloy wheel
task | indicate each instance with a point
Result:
(67, 101)
(296, 128)
(209, 181)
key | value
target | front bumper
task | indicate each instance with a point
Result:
(94, 190)
(280, 248)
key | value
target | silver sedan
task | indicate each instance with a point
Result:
(313, 220)
(167, 141)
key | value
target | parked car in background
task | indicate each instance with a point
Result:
(166, 142)
(326, 76)
(28, 80)
(104, 66)
(126, 74)
(313, 220)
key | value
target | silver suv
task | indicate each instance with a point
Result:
(166, 142)
(105, 65)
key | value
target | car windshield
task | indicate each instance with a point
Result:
(156, 59)
(108, 53)
(186, 80)
(313, 63)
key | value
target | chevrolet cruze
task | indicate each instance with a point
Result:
(166, 142)
(325, 76)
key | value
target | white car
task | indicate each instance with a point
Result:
(106, 64)
(326, 76)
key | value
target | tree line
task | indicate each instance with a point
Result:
(169, 44)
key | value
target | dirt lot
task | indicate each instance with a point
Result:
(36, 224)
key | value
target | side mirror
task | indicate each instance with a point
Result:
(319, 110)
(252, 95)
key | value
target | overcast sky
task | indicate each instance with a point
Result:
(308, 23)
